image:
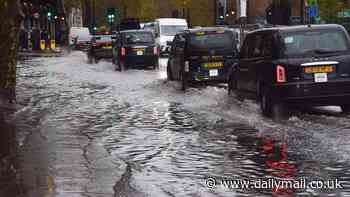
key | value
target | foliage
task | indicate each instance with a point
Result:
(329, 10)
(148, 10)
(9, 35)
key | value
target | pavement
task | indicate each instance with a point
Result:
(51, 162)
(45, 53)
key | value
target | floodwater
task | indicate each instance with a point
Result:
(172, 142)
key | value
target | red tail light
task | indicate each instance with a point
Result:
(122, 51)
(155, 51)
(280, 74)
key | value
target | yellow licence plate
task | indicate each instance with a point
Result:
(213, 65)
(318, 69)
(107, 47)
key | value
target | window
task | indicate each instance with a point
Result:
(245, 48)
(211, 41)
(267, 47)
(315, 42)
(171, 30)
(255, 49)
(138, 37)
(179, 41)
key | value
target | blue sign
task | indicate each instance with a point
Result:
(312, 11)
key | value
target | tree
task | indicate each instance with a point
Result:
(329, 9)
(148, 11)
(10, 11)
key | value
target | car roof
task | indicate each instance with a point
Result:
(206, 29)
(299, 28)
(136, 30)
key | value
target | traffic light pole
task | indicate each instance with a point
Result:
(302, 11)
(215, 11)
(93, 17)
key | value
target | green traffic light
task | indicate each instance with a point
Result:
(49, 14)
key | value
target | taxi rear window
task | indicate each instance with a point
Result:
(314, 42)
(210, 40)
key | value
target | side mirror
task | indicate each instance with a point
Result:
(182, 44)
(169, 43)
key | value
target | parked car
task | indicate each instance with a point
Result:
(296, 65)
(135, 48)
(166, 29)
(202, 55)
(100, 48)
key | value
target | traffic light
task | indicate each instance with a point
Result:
(111, 15)
(49, 15)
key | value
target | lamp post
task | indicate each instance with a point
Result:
(93, 17)
(302, 11)
(215, 11)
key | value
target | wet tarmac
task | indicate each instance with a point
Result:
(86, 130)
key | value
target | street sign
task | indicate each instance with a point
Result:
(312, 11)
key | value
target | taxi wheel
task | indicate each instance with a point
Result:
(265, 103)
(120, 67)
(345, 109)
(169, 73)
(156, 65)
(232, 85)
(117, 66)
(272, 108)
(90, 59)
(184, 81)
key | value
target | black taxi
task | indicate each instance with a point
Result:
(296, 65)
(135, 48)
(202, 55)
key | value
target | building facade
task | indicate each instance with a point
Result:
(75, 18)
(256, 10)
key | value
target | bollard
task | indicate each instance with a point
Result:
(30, 46)
(53, 44)
(42, 45)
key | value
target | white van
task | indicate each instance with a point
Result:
(166, 29)
(81, 32)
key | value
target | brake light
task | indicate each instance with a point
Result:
(123, 52)
(280, 74)
(155, 51)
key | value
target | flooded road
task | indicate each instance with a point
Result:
(171, 143)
